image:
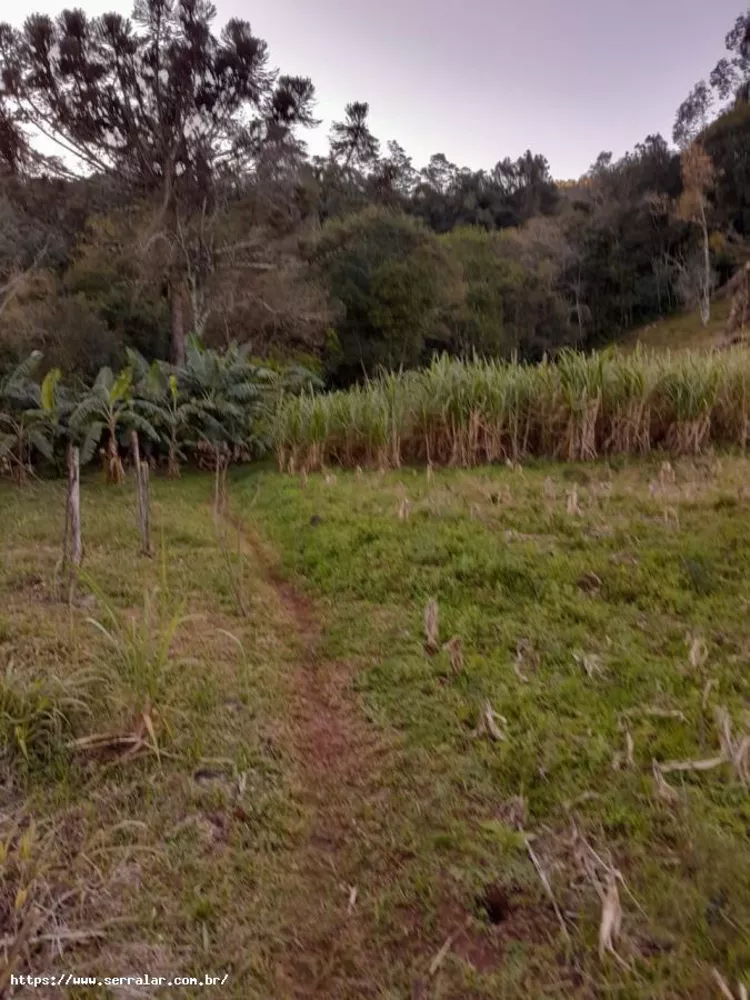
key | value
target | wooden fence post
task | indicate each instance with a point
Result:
(72, 544)
(224, 496)
(220, 482)
(142, 495)
(145, 491)
(143, 507)
(135, 452)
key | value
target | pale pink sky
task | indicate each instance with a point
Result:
(483, 79)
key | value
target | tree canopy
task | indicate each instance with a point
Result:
(159, 103)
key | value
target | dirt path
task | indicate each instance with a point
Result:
(338, 759)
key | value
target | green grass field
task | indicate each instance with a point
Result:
(298, 795)
(685, 330)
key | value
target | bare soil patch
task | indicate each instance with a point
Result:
(334, 751)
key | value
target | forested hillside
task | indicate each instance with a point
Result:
(156, 183)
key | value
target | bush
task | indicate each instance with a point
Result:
(386, 272)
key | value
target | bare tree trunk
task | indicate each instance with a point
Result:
(18, 462)
(705, 289)
(199, 310)
(178, 321)
(173, 465)
(114, 470)
(72, 545)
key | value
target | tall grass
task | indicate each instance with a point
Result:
(38, 714)
(577, 408)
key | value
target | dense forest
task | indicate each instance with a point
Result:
(155, 184)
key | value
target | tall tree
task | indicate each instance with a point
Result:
(352, 142)
(160, 103)
(393, 177)
(727, 142)
(387, 273)
(731, 76)
(729, 81)
(697, 182)
(693, 114)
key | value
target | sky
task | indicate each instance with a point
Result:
(480, 80)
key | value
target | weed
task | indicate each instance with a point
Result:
(39, 715)
(699, 572)
(141, 645)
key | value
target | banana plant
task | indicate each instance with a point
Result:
(188, 421)
(26, 426)
(182, 421)
(109, 407)
(230, 398)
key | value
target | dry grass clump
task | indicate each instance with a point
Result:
(577, 408)
(488, 724)
(454, 648)
(735, 751)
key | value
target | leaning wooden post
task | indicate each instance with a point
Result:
(72, 545)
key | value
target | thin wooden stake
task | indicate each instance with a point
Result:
(217, 476)
(144, 508)
(66, 528)
(135, 451)
(224, 491)
(220, 483)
